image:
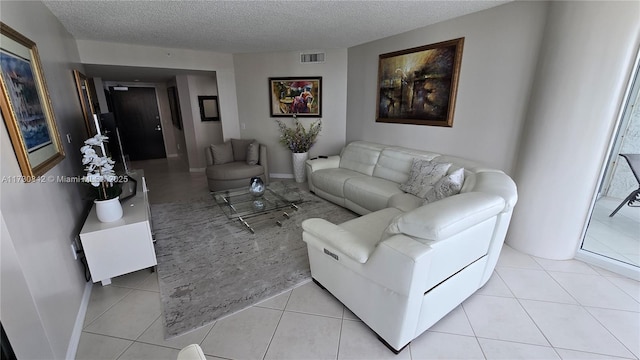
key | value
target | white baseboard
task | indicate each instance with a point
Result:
(280, 176)
(72, 349)
(172, 155)
(197, 169)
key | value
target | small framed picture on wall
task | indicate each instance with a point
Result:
(301, 96)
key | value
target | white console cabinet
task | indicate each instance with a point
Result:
(123, 246)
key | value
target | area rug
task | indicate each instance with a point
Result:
(209, 267)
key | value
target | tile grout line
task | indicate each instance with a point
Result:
(340, 334)
(277, 325)
(312, 314)
(599, 354)
(621, 289)
(608, 330)
(466, 316)
(109, 308)
(525, 310)
(550, 273)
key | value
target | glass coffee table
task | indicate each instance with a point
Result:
(240, 205)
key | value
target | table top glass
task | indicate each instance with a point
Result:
(239, 203)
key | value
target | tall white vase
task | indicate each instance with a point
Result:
(299, 160)
(108, 210)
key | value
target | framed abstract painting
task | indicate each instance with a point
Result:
(419, 85)
(301, 96)
(26, 107)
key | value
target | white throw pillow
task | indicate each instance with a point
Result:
(445, 187)
(423, 175)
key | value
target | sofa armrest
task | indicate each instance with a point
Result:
(191, 352)
(340, 238)
(328, 163)
(351, 245)
(444, 218)
(263, 160)
(409, 258)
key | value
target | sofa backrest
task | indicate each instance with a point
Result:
(394, 163)
(360, 156)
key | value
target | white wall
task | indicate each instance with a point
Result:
(19, 311)
(498, 63)
(584, 67)
(252, 74)
(206, 132)
(165, 118)
(178, 134)
(102, 99)
(42, 219)
(109, 53)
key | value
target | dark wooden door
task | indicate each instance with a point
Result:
(138, 119)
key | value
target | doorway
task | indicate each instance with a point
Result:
(138, 118)
(612, 237)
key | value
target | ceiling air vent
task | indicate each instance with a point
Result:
(312, 58)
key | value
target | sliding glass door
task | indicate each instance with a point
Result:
(612, 238)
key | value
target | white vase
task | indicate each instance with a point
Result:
(299, 163)
(108, 210)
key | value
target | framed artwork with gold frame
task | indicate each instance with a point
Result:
(419, 85)
(26, 106)
(300, 96)
(84, 94)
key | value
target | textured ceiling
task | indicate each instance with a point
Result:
(253, 26)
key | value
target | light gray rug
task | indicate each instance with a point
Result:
(209, 267)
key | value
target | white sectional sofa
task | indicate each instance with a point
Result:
(404, 265)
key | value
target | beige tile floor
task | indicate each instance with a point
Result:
(531, 308)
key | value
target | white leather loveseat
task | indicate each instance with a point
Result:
(404, 265)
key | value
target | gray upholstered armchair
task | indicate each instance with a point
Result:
(233, 164)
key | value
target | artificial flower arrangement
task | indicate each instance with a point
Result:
(100, 173)
(298, 139)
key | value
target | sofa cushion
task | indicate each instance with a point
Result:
(222, 153)
(240, 148)
(360, 156)
(423, 175)
(445, 187)
(405, 202)
(371, 193)
(234, 170)
(332, 180)
(253, 153)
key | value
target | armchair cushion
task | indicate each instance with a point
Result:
(234, 170)
(423, 175)
(240, 148)
(222, 153)
(253, 152)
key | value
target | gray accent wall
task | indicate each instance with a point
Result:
(42, 285)
(498, 68)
